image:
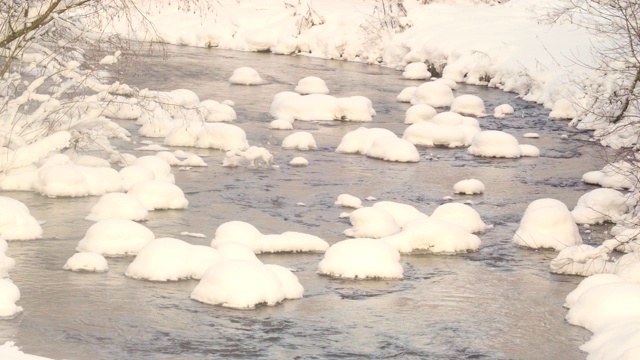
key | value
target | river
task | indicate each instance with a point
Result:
(498, 303)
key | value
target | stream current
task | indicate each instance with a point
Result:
(500, 302)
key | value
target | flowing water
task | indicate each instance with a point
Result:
(498, 303)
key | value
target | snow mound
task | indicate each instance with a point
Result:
(362, 259)
(406, 94)
(118, 206)
(619, 341)
(299, 161)
(468, 105)
(168, 259)
(217, 112)
(433, 236)
(502, 110)
(115, 237)
(160, 168)
(494, 143)
(220, 136)
(321, 107)
(244, 284)
(371, 222)
(347, 200)
(6, 263)
(588, 283)
(403, 214)
(562, 109)
(87, 261)
(547, 223)
(248, 235)
(618, 175)
(281, 124)
(16, 222)
(444, 129)
(601, 205)
(311, 85)
(158, 195)
(606, 305)
(245, 76)
(416, 71)
(9, 295)
(360, 140)
(252, 157)
(418, 113)
(468, 187)
(434, 94)
(301, 140)
(583, 260)
(461, 215)
(392, 148)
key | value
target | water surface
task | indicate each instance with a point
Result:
(498, 303)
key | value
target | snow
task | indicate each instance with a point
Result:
(468, 187)
(406, 94)
(433, 236)
(360, 140)
(220, 136)
(419, 112)
(301, 140)
(392, 148)
(562, 109)
(280, 124)
(601, 205)
(617, 175)
(321, 107)
(158, 166)
(444, 129)
(9, 295)
(547, 223)
(158, 195)
(583, 260)
(371, 222)
(115, 237)
(251, 157)
(6, 263)
(133, 174)
(87, 261)
(495, 143)
(16, 222)
(416, 71)
(311, 85)
(169, 259)
(502, 110)
(606, 305)
(362, 258)
(299, 161)
(244, 233)
(347, 200)
(403, 214)
(468, 105)
(8, 351)
(462, 215)
(434, 94)
(242, 284)
(118, 206)
(246, 76)
(588, 283)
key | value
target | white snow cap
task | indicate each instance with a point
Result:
(247, 234)
(583, 260)
(115, 237)
(588, 283)
(416, 71)
(168, 259)
(601, 205)
(158, 195)
(403, 214)
(242, 284)
(221, 136)
(547, 223)
(87, 261)
(461, 215)
(321, 107)
(281, 124)
(301, 140)
(392, 148)
(444, 129)
(468, 187)
(16, 222)
(494, 143)
(360, 140)
(406, 94)
(433, 236)
(348, 200)
(606, 305)
(311, 85)
(618, 175)
(9, 295)
(299, 161)
(371, 222)
(562, 109)
(246, 76)
(6, 263)
(502, 110)
(362, 258)
(118, 206)
(433, 93)
(468, 105)
(216, 112)
(251, 157)
(419, 112)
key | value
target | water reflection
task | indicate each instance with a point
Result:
(498, 303)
